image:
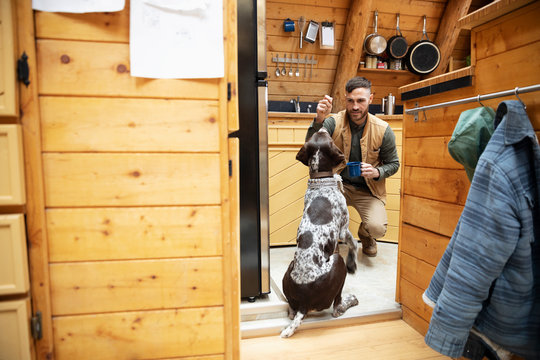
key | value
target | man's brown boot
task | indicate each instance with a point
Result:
(369, 246)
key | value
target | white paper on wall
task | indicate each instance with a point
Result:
(176, 39)
(78, 6)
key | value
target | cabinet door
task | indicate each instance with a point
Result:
(13, 260)
(11, 166)
(8, 95)
(15, 329)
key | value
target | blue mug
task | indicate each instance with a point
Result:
(288, 25)
(354, 168)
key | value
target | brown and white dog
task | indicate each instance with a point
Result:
(315, 277)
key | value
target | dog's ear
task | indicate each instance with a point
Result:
(336, 155)
(303, 155)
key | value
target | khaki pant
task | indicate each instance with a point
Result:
(371, 211)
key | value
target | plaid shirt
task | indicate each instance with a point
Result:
(489, 275)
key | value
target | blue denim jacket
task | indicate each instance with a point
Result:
(489, 275)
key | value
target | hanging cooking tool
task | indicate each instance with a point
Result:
(423, 56)
(278, 72)
(297, 73)
(396, 48)
(301, 23)
(375, 44)
(290, 69)
(284, 70)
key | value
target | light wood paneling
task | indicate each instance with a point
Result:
(431, 215)
(133, 233)
(430, 152)
(445, 185)
(131, 179)
(422, 244)
(98, 287)
(417, 271)
(82, 68)
(87, 124)
(139, 334)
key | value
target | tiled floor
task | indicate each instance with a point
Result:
(373, 284)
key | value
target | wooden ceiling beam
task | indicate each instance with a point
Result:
(449, 30)
(351, 49)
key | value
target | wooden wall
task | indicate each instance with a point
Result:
(139, 260)
(435, 187)
(280, 42)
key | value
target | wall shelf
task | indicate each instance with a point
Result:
(490, 12)
(386, 71)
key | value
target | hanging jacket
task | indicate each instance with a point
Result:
(470, 137)
(489, 275)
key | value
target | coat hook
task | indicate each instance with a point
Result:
(425, 117)
(521, 101)
(478, 99)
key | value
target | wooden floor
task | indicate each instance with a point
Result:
(378, 341)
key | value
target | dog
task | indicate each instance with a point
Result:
(316, 275)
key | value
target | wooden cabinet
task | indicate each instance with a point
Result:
(13, 259)
(11, 163)
(15, 330)
(8, 94)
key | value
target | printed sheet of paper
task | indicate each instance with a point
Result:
(78, 6)
(176, 39)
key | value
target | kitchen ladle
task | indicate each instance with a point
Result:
(297, 62)
(277, 66)
(284, 70)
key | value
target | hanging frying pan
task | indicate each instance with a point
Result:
(375, 44)
(423, 56)
(396, 48)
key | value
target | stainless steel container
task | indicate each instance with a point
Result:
(389, 104)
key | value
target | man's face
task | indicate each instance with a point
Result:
(357, 104)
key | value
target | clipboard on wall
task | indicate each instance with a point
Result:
(327, 38)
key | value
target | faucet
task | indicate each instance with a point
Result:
(296, 104)
(309, 108)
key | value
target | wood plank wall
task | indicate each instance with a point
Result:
(279, 42)
(435, 187)
(136, 199)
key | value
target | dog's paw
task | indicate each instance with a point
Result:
(347, 302)
(351, 266)
(287, 332)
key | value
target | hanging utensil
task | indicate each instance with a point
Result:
(396, 47)
(278, 72)
(284, 70)
(311, 71)
(301, 24)
(290, 69)
(375, 44)
(423, 56)
(297, 62)
(305, 67)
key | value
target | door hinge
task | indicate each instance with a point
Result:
(229, 91)
(23, 71)
(230, 168)
(36, 325)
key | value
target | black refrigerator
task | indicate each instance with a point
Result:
(252, 134)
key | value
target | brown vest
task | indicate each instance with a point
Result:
(370, 144)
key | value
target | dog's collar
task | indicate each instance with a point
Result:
(320, 174)
(326, 181)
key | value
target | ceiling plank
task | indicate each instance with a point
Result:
(351, 49)
(448, 33)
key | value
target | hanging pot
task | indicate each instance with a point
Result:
(397, 45)
(423, 56)
(375, 44)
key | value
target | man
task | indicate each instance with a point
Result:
(366, 138)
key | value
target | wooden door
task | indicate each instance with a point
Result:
(130, 216)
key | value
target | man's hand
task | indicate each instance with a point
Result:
(369, 172)
(324, 107)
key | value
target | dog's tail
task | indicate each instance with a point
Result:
(289, 330)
